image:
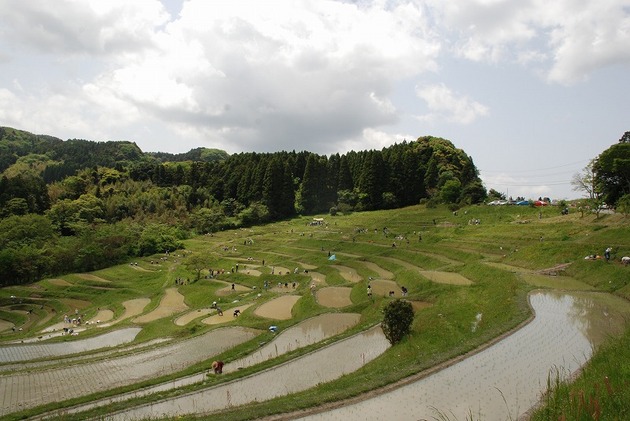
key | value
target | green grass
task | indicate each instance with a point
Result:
(601, 392)
(500, 256)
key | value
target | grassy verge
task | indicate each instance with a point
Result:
(601, 392)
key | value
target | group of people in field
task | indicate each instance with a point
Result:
(625, 260)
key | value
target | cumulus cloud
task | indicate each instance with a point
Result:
(575, 37)
(443, 104)
(320, 75)
(595, 37)
(81, 27)
(235, 74)
(370, 139)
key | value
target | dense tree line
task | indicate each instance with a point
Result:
(606, 178)
(307, 183)
(197, 154)
(97, 203)
(612, 171)
(31, 246)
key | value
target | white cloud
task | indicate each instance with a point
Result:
(371, 139)
(81, 27)
(234, 73)
(9, 107)
(596, 37)
(577, 37)
(517, 186)
(528, 57)
(446, 105)
(318, 75)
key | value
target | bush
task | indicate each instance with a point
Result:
(398, 316)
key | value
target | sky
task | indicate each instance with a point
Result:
(532, 90)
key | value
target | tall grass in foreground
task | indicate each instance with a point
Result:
(601, 392)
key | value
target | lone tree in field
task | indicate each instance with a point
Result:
(196, 263)
(398, 316)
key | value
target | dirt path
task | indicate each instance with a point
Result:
(382, 273)
(184, 319)
(228, 315)
(451, 278)
(382, 288)
(237, 289)
(102, 316)
(403, 263)
(347, 273)
(90, 277)
(59, 282)
(132, 308)
(317, 278)
(5, 325)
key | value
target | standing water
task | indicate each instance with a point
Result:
(508, 378)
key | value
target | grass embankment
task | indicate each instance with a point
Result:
(600, 392)
(501, 256)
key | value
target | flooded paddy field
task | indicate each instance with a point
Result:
(506, 379)
(27, 352)
(323, 365)
(26, 390)
(303, 334)
(502, 381)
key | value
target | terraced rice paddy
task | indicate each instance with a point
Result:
(305, 327)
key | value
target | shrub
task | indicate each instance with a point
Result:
(398, 316)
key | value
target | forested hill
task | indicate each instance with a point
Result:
(79, 205)
(284, 182)
(61, 158)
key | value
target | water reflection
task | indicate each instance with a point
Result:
(598, 316)
(306, 333)
(324, 365)
(505, 380)
(16, 353)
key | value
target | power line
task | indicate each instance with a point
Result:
(563, 173)
(555, 183)
(535, 169)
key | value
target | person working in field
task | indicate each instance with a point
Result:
(217, 366)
